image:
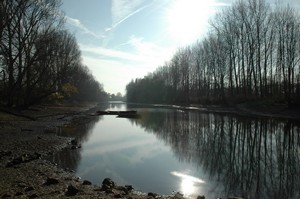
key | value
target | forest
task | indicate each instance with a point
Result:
(250, 53)
(39, 59)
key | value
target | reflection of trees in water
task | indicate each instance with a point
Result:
(81, 131)
(258, 157)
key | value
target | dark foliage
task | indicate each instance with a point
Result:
(251, 53)
(39, 60)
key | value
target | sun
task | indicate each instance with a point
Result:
(187, 20)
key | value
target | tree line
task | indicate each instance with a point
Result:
(39, 59)
(251, 52)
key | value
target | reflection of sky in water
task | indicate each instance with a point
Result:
(168, 150)
(126, 153)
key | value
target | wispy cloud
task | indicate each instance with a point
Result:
(78, 24)
(114, 25)
(109, 53)
(143, 58)
(121, 10)
(144, 52)
(150, 52)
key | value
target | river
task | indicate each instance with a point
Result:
(168, 149)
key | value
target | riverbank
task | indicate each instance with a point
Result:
(250, 109)
(24, 170)
(26, 141)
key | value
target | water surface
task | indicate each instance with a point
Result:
(196, 153)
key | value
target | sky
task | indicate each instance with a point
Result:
(121, 40)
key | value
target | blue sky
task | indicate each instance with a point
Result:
(122, 40)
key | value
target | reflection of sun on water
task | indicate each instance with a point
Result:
(187, 187)
(188, 184)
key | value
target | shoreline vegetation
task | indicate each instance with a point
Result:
(248, 64)
(250, 54)
(25, 172)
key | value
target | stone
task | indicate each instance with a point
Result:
(14, 162)
(74, 142)
(71, 191)
(154, 195)
(5, 153)
(178, 195)
(28, 189)
(200, 197)
(97, 189)
(109, 191)
(6, 195)
(129, 187)
(117, 195)
(18, 193)
(86, 182)
(51, 181)
(124, 190)
(108, 183)
(33, 196)
(105, 187)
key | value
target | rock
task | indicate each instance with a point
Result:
(200, 197)
(22, 185)
(6, 195)
(178, 195)
(117, 195)
(51, 181)
(74, 142)
(18, 193)
(124, 190)
(154, 195)
(97, 188)
(13, 162)
(73, 147)
(5, 153)
(33, 196)
(108, 183)
(129, 187)
(28, 189)
(109, 191)
(71, 191)
(105, 187)
(23, 159)
(86, 182)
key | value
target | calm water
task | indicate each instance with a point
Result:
(196, 153)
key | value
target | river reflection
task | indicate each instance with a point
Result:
(196, 153)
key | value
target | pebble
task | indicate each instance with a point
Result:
(86, 182)
(28, 189)
(71, 191)
(51, 181)
(154, 195)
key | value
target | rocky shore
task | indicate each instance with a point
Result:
(24, 146)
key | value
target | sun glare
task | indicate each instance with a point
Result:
(189, 184)
(187, 19)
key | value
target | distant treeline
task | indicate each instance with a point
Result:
(39, 59)
(251, 52)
